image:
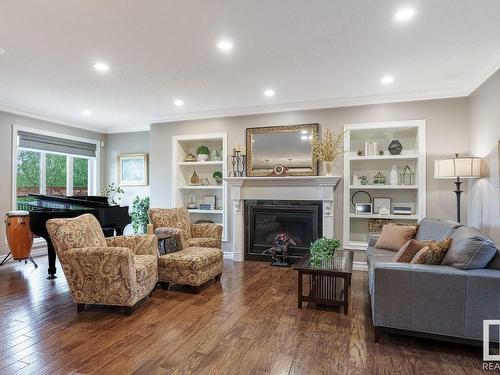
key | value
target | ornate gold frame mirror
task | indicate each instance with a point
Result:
(281, 150)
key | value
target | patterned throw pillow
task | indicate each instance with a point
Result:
(393, 236)
(432, 254)
(409, 250)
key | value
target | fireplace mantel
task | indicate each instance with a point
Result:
(316, 188)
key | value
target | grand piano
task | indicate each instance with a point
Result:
(113, 219)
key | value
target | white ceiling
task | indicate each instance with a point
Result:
(315, 53)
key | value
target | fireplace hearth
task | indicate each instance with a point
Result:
(264, 219)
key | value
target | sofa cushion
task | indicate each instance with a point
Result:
(470, 249)
(433, 253)
(394, 236)
(409, 250)
(435, 229)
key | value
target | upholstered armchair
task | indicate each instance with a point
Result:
(116, 271)
(190, 254)
(175, 222)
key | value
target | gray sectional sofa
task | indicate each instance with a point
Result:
(447, 301)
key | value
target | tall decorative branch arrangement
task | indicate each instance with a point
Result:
(328, 148)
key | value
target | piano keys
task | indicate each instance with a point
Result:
(113, 219)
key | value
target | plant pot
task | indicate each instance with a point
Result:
(202, 157)
(328, 168)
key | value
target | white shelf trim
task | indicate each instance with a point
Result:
(390, 217)
(196, 187)
(384, 187)
(209, 162)
(384, 157)
(196, 211)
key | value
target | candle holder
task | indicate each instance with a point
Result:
(239, 165)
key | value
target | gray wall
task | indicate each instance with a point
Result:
(6, 122)
(484, 206)
(447, 133)
(126, 143)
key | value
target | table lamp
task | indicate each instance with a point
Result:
(457, 168)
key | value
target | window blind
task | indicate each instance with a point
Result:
(55, 144)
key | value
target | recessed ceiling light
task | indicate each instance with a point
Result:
(87, 112)
(2, 51)
(101, 66)
(225, 45)
(178, 102)
(269, 93)
(404, 14)
(387, 80)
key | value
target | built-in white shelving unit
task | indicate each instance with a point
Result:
(182, 189)
(411, 135)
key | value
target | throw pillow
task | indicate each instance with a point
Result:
(432, 254)
(470, 249)
(393, 236)
(409, 250)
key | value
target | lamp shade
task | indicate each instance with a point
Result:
(463, 167)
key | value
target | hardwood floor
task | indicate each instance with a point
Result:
(247, 324)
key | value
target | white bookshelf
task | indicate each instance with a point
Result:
(411, 135)
(182, 189)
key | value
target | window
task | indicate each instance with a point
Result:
(41, 168)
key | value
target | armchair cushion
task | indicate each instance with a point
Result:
(171, 217)
(81, 231)
(191, 266)
(205, 231)
(140, 245)
(202, 242)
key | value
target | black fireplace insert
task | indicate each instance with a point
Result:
(264, 219)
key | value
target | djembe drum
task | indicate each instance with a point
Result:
(19, 236)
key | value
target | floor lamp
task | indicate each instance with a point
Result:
(458, 168)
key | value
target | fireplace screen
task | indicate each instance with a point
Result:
(301, 220)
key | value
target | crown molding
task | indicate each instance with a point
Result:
(491, 66)
(317, 104)
(24, 113)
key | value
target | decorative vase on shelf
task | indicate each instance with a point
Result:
(328, 168)
(393, 176)
(195, 180)
(395, 147)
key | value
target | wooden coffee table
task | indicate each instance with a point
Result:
(326, 283)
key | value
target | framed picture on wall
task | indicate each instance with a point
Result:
(132, 169)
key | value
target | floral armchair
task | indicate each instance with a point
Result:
(116, 271)
(174, 225)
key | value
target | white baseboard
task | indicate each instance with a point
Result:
(228, 255)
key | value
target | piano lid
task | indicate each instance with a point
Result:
(49, 201)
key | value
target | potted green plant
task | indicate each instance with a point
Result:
(112, 192)
(217, 175)
(323, 249)
(202, 153)
(139, 215)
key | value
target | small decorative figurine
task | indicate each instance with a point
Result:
(204, 181)
(279, 252)
(190, 158)
(363, 180)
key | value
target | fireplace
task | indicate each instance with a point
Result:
(264, 219)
